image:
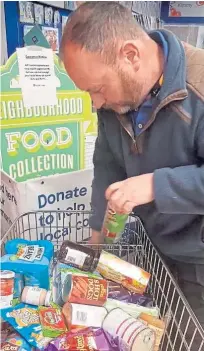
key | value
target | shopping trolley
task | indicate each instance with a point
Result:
(183, 331)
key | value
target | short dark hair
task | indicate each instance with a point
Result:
(97, 25)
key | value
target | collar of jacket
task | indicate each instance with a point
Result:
(172, 89)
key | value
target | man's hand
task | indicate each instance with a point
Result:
(96, 238)
(124, 196)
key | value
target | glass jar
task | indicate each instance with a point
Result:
(6, 288)
(79, 256)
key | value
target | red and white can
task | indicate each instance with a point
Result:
(132, 334)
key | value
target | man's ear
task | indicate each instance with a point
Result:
(130, 53)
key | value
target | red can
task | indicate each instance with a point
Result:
(85, 290)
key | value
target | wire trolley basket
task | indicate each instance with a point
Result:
(183, 332)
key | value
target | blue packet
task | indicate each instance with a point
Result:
(37, 269)
(25, 320)
(15, 342)
(30, 280)
(27, 250)
(18, 285)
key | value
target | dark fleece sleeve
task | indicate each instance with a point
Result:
(180, 190)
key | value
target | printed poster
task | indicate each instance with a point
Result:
(44, 141)
(65, 193)
(39, 13)
(36, 76)
(26, 12)
(52, 37)
(186, 9)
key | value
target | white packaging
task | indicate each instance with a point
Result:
(88, 316)
(133, 335)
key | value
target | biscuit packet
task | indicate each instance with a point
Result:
(25, 319)
(52, 321)
(87, 339)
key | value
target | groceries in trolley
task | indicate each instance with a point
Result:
(84, 298)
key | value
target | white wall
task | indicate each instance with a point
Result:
(3, 48)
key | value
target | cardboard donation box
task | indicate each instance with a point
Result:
(48, 132)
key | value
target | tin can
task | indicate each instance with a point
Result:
(128, 275)
(113, 226)
(131, 334)
(77, 315)
(85, 290)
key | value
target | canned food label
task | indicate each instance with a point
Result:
(88, 291)
(114, 223)
(84, 315)
(75, 257)
(131, 277)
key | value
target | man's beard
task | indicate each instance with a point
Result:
(132, 92)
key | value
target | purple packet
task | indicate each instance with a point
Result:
(88, 339)
(118, 292)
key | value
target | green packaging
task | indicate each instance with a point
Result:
(113, 226)
(52, 321)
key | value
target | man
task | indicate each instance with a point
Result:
(149, 154)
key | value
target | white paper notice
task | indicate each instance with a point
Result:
(89, 150)
(37, 76)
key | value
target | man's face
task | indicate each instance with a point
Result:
(110, 86)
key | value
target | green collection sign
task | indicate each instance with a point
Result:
(43, 140)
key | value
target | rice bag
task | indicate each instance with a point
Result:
(52, 321)
(86, 339)
(25, 319)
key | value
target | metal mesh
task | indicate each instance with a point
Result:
(183, 331)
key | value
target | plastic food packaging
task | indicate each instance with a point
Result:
(155, 324)
(35, 250)
(52, 321)
(84, 290)
(18, 286)
(6, 288)
(131, 277)
(77, 315)
(34, 295)
(129, 333)
(37, 269)
(85, 340)
(15, 342)
(25, 319)
(118, 292)
(130, 308)
(113, 226)
(78, 256)
(6, 329)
